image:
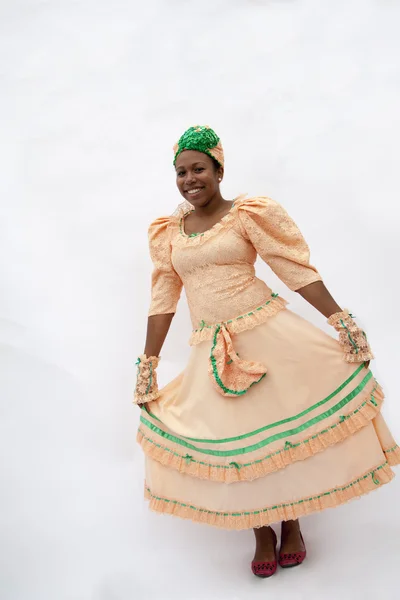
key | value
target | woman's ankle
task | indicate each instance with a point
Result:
(288, 526)
(262, 533)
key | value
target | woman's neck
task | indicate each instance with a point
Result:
(216, 205)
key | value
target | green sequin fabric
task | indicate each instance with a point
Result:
(202, 139)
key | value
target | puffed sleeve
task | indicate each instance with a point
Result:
(166, 285)
(278, 241)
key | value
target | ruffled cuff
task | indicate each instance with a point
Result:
(146, 389)
(352, 339)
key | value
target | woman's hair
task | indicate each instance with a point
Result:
(215, 163)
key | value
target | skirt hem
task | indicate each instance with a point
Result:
(393, 455)
(360, 486)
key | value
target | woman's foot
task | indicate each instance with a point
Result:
(293, 550)
(264, 563)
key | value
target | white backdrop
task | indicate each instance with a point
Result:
(305, 95)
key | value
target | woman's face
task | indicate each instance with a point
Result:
(197, 177)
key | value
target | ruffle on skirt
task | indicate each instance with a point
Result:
(364, 484)
(307, 437)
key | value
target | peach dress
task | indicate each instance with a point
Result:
(267, 422)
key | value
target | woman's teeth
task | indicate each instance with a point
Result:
(191, 192)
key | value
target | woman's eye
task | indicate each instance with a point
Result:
(180, 173)
(199, 169)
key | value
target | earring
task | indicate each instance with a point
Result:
(220, 179)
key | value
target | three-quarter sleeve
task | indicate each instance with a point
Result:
(166, 285)
(278, 241)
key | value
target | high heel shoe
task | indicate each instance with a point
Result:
(292, 559)
(265, 568)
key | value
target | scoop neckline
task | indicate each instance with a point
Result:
(200, 234)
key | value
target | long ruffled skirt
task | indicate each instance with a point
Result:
(309, 436)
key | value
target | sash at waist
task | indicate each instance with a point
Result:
(256, 316)
(229, 374)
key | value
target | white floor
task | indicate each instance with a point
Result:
(305, 96)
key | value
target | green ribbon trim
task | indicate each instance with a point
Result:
(277, 506)
(188, 459)
(349, 336)
(272, 425)
(150, 378)
(268, 456)
(216, 374)
(138, 362)
(203, 324)
(231, 361)
(269, 440)
(375, 479)
(289, 445)
(391, 449)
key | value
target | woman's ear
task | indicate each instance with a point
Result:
(220, 174)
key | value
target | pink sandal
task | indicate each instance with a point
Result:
(265, 569)
(292, 559)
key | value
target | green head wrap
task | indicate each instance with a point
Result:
(203, 139)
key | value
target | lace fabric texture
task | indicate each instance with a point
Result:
(230, 375)
(166, 284)
(352, 339)
(146, 389)
(282, 450)
(216, 267)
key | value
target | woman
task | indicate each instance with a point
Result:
(271, 419)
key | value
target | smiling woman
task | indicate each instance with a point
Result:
(198, 175)
(271, 419)
(198, 181)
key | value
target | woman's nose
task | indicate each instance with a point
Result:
(189, 178)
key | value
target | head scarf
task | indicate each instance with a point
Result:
(203, 139)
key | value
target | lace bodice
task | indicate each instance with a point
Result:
(217, 267)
